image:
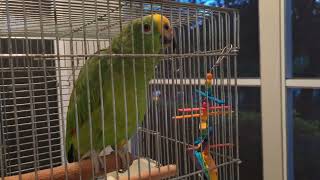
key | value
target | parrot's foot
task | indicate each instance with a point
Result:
(124, 159)
(98, 161)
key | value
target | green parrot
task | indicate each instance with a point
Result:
(85, 102)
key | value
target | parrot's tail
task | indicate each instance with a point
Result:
(71, 154)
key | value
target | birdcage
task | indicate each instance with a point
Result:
(180, 93)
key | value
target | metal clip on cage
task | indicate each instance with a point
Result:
(80, 75)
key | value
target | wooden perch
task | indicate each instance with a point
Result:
(58, 173)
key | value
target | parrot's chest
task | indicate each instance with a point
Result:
(125, 96)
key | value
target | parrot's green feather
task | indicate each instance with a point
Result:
(90, 73)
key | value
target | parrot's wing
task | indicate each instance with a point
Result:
(78, 110)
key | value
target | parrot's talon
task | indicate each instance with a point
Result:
(124, 163)
(98, 162)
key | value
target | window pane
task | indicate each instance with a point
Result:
(250, 134)
(248, 58)
(306, 133)
(306, 37)
(304, 141)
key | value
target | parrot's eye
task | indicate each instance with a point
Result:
(146, 28)
(166, 27)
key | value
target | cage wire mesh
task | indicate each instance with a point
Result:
(45, 43)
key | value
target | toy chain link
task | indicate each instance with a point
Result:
(225, 50)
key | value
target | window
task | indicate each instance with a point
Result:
(250, 133)
(303, 95)
(248, 59)
(306, 133)
(305, 37)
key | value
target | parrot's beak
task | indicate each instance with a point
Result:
(165, 29)
(168, 39)
(174, 43)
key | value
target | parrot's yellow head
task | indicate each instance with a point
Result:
(163, 26)
(150, 34)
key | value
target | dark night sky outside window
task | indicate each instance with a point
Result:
(306, 37)
(248, 58)
(306, 133)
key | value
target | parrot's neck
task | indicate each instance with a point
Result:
(150, 62)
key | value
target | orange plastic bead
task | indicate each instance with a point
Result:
(209, 76)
